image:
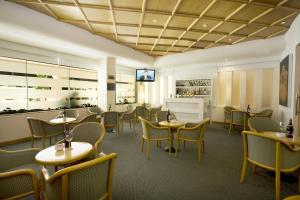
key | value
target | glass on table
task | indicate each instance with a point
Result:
(282, 127)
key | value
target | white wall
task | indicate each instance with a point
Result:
(292, 39)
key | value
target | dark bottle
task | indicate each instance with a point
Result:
(248, 109)
(67, 143)
(290, 129)
(109, 108)
(64, 114)
(169, 116)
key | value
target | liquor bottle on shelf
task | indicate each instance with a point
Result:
(248, 109)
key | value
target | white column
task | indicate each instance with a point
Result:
(242, 90)
(228, 80)
(258, 89)
(106, 75)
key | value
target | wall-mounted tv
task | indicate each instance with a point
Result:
(145, 75)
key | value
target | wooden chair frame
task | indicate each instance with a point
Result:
(277, 168)
(64, 173)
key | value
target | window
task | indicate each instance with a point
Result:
(34, 85)
(13, 89)
(125, 89)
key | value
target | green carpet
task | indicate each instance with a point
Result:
(184, 178)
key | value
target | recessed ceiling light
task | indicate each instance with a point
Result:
(204, 25)
(283, 22)
(229, 39)
(155, 20)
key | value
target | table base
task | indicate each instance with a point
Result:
(173, 150)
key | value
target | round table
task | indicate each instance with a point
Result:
(50, 156)
(173, 125)
(62, 120)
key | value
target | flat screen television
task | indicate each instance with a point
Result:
(145, 75)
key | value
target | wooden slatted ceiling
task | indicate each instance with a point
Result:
(161, 27)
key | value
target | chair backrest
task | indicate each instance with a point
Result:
(14, 159)
(194, 131)
(229, 108)
(162, 116)
(239, 117)
(262, 150)
(141, 111)
(152, 130)
(110, 118)
(265, 113)
(90, 118)
(154, 110)
(129, 115)
(36, 127)
(130, 108)
(40, 127)
(261, 124)
(72, 113)
(91, 132)
(92, 179)
(95, 110)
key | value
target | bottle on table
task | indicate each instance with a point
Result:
(68, 138)
(109, 108)
(248, 109)
(290, 129)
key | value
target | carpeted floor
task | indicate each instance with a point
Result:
(162, 177)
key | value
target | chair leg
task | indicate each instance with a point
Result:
(277, 184)
(142, 144)
(244, 170)
(199, 151)
(177, 147)
(230, 129)
(298, 180)
(254, 168)
(32, 142)
(170, 148)
(44, 142)
(225, 121)
(148, 149)
(157, 143)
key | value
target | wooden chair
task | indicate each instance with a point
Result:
(269, 153)
(227, 113)
(238, 118)
(192, 132)
(153, 111)
(264, 113)
(128, 117)
(41, 129)
(162, 116)
(141, 111)
(151, 132)
(111, 120)
(262, 124)
(18, 174)
(91, 132)
(91, 179)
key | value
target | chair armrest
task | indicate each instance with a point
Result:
(45, 175)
